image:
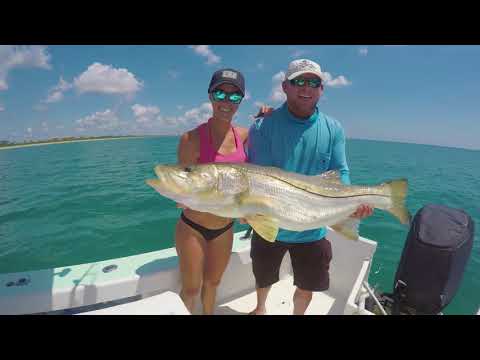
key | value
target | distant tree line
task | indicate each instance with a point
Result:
(4, 143)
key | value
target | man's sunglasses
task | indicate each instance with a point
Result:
(313, 83)
(220, 95)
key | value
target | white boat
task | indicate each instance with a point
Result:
(149, 283)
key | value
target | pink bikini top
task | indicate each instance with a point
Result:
(208, 154)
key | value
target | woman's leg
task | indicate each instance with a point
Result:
(191, 253)
(217, 256)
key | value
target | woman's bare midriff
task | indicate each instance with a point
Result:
(207, 220)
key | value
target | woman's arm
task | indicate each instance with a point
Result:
(188, 152)
(188, 148)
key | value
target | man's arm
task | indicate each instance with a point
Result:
(339, 159)
(339, 162)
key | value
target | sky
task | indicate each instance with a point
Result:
(410, 93)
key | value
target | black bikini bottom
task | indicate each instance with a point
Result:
(208, 234)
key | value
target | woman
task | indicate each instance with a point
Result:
(204, 241)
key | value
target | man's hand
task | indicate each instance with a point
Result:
(362, 212)
(181, 206)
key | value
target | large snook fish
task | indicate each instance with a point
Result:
(269, 198)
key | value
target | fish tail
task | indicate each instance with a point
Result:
(398, 193)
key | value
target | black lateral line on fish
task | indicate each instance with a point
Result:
(311, 192)
(331, 197)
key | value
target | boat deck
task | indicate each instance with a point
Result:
(280, 302)
(149, 284)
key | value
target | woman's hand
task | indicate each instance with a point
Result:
(264, 111)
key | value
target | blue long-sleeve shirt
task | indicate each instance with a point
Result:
(308, 147)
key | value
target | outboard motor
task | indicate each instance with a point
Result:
(433, 261)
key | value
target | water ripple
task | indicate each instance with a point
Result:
(81, 202)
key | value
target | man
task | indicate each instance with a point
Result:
(297, 137)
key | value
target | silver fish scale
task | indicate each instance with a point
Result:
(297, 209)
(231, 182)
(319, 186)
(287, 202)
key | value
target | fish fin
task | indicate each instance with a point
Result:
(398, 191)
(332, 176)
(152, 182)
(265, 226)
(348, 228)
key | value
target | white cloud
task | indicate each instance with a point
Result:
(13, 56)
(44, 126)
(144, 114)
(2, 108)
(205, 51)
(363, 51)
(260, 66)
(198, 115)
(277, 94)
(29, 130)
(180, 107)
(339, 81)
(108, 80)
(106, 120)
(278, 77)
(248, 96)
(55, 94)
(54, 97)
(259, 104)
(155, 123)
(188, 120)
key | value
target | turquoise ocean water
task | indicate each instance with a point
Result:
(66, 204)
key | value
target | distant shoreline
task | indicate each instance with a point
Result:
(153, 136)
(70, 141)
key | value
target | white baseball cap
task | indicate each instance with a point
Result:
(303, 66)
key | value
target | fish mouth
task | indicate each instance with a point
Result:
(171, 180)
(167, 187)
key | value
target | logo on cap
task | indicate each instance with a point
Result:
(229, 74)
(307, 65)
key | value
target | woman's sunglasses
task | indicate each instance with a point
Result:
(313, 83)
(220, 95)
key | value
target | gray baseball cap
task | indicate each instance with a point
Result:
(227, 76)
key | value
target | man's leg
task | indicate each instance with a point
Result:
(266, 260)
(301, 300)
(310, 264)
(262, 294)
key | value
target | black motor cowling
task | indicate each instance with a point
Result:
(433, 260)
